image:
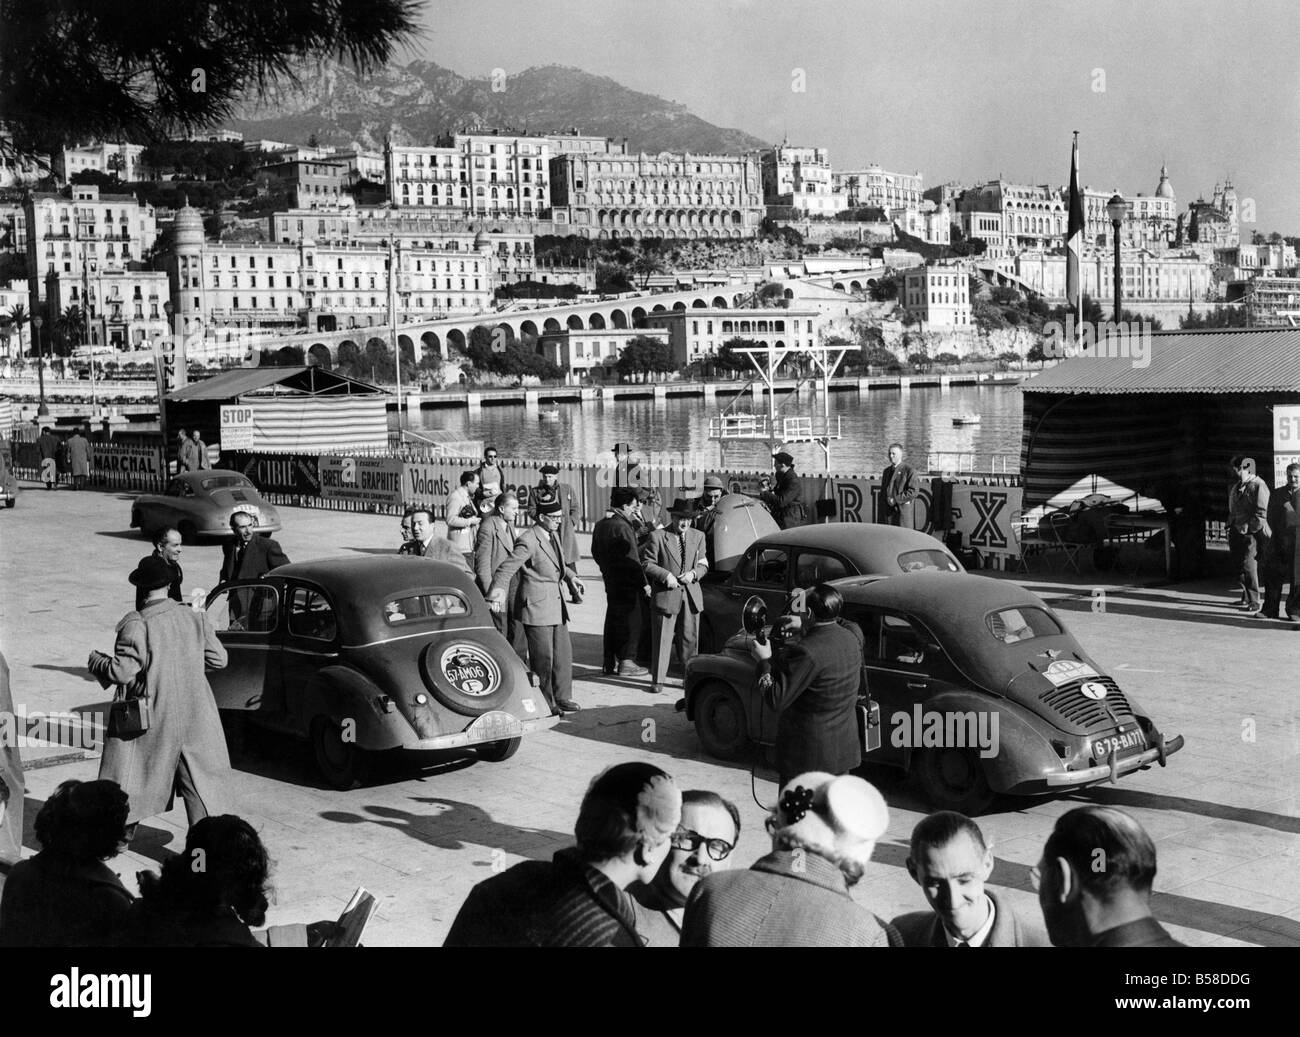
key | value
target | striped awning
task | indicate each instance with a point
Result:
(305, 424)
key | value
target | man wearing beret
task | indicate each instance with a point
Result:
(785, 499)
(550, 488)
(545, 569)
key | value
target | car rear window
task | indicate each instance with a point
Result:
(1021, 624)
(928, 560)
(434, 605)
(227, 482)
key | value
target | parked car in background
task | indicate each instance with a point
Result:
(199, 504)
(804, 556)
(366, 654)
(978, 687)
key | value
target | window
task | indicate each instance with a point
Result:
(901, 642)
(311, 615)
(1021, 624)
(767, 566)
(250, 609)
(812, 569)
(928, 560)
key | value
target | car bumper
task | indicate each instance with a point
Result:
(1116, 768)
(466, 738)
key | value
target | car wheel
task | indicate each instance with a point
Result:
(953, 779)
(470, 703)
(340, 763)
(708, 640)
(11, 502)
(498, 752)
(189, 535)
(720, 721)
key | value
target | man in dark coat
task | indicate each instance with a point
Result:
(167, 546)
(614, 548)
(814, 687)
(675, 560)
(248, 555)
(579, 899)
(1283, 512)
(1087, 906)
(706, 511)
(785, 499)
(495, 543)
(424, 544)
(550, 488)
(161, 654)
(47, 446)
(1248, 530)
(950, 861)
(899, 488)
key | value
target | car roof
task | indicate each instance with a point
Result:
(208, 473)
(854, 539)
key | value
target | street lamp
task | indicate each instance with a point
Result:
(1117, 208)
(43, 411)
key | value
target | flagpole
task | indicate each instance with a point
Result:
(1074, 236)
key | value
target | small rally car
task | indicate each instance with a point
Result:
(975, 688)
(366, 654)
(201, 503)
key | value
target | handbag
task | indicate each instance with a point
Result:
(130, 713)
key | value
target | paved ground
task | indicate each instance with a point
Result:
(1224, 814)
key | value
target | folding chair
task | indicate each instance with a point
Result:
(1058, 528)
(1028, 539)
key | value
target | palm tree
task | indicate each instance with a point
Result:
(71, 327)
(18, 317)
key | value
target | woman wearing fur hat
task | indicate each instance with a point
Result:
(824, 830)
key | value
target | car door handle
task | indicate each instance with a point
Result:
(918, 685)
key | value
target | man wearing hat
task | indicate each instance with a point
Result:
(550, 488)
(706, 510)
(614, 548)
(545, 568)
(1248, 530)
(785, 499)
(161, 654)
(675, 560)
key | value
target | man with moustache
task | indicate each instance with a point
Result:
(248, 555)
(701, 845)
(167, 546)
(951, 862)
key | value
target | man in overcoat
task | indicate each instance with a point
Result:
(899, 488)
(161, 654)
(675, 559)
(614, 548)
(550, 488)
(496, 543)
(79, 459)
(545, 569)
(1248, 531)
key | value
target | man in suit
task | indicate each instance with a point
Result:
(814, 687)
(614, 548)
(545, 570)
(899, 488)
(1283, 510)
(424, 544)
(1089, 906)
(550, 488)
(198, 456)
(785, 499)
(462, 513)
(1248, 531)
(167, 546)
(675, 560)
(951, 862)
(247, 555)
(496, 543)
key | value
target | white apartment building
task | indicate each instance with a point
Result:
(472, 175)
(80, 225)
(1032, 217)
(122, 160)
(695, 334)
(1146, 275)
(938, 295)
(929, 223)
(592, 352)
(874, 186)
(987, 226)
(361, 164)
(125, 306)
(19, 169)
(1151, 221)
(575, 143)
(800, 178)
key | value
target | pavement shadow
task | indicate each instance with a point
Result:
(75, 671)
(122, 534)
(450, 824)
(1124, 608)
(1122, 797)
(149, 842)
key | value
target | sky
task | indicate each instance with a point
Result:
(957, 89)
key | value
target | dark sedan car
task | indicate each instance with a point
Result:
(802, 557)
(201, 503)
(374, 653)
(977, 686)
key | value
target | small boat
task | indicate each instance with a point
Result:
(549, 415)
(966, 419)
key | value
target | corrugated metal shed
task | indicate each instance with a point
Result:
(1229, 360)
(311, 381)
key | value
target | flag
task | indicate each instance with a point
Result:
(1074, 237)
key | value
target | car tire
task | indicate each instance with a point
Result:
(721, 723)
(451, 696)
(953, 779)
(12, 502)
(498, 752)
(342, 764)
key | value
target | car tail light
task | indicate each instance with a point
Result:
(421, 699)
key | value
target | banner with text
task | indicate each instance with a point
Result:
(127, 466)
(292, 474)
(430, 482)
(367, 480)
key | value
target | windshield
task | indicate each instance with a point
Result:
(928, 560)
(432, 605)
(1021, 624)
(227, 482)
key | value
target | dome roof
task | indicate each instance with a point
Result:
(481, 241)
(1165, 190)
(188, 226)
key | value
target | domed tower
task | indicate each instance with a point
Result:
(187, 262)
(1165, 188)
(1230, 208)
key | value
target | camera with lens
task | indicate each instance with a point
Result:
(468, 511)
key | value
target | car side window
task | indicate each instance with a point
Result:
(766, 566)
(811, 569)
(869, 623)
(179, 488)
(902, 643)
(311, 615)
(251, 609)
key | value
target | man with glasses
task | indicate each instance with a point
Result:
(490, 476)
(248, 556)
(701, 845)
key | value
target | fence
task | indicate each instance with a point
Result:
(132, 461)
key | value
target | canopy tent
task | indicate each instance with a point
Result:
(295, 409)
(1167, 429)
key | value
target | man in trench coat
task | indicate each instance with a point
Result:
(161, 653)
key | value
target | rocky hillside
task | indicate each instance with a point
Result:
(421, 100)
